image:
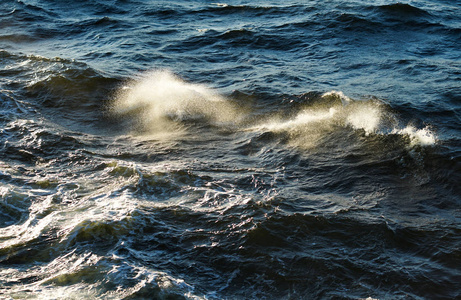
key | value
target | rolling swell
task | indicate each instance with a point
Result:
(319, 140)
(219, 151)
(403, 9)
(59, 88)
(325, 123)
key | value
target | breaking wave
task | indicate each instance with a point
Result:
(159, 100)
(301, 149)
(333, 112)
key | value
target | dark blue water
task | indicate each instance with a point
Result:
(237, 150)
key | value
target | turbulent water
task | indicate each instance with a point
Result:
(239, 150)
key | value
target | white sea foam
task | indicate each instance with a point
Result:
(344, 99)
(366, 117)
(421, 137)
(313, 123)
(221, 4)
(160, 102)
(160, 99)
(304, 118)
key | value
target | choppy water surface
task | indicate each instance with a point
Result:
(238, 150)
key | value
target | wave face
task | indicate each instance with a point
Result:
(192, 150)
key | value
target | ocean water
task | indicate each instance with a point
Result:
(235, 150)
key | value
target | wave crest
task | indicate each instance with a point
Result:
(161, 101)
(334, 112)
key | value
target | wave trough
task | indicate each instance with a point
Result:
(306, 149)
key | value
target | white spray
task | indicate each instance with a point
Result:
(160, 100)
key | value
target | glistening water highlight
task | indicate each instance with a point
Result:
(160, 102)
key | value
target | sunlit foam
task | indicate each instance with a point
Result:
(366, 117)
(344, 99)
(304, 130)
(160, 101)
(221, 4)
(335, 111)
(421, 137)
(312, 123)
(302, 119)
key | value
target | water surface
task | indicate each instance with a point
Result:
(238, 150)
